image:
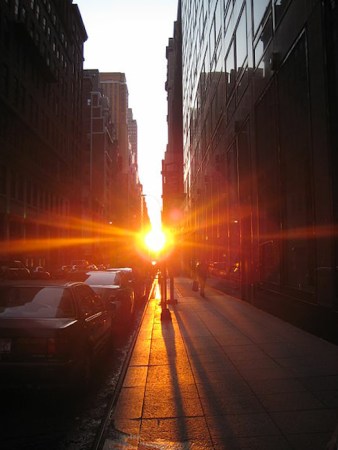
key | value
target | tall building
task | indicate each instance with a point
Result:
(114, 86)
(134, 186)
(99, 171)
(111, 190)
(172, 164)
(41, 62)
(132, 135)
(260, 149)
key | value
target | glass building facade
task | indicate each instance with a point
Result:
(259, 83)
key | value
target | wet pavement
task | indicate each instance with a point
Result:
(221, 374)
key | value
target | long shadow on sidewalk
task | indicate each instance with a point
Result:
(234, 415)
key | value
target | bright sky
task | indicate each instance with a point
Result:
(131, 36)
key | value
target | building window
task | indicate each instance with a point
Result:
(263, 41)
(230, 70)
(212, 44)
(16, 91)
(241, 41)
(218, 21)
(279, 9)
(228, 7)
(23, 14)
(32, 30)
(258, 53)
(16, 8)
(4, 79)
(297, 172)
(3, 180)
(260, 9)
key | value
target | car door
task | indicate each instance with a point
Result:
(127, 293)
(105, 316)
(95, 317)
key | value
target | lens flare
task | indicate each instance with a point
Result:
(155, 240)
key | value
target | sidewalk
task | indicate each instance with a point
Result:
(222, 374)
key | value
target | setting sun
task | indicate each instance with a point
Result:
(155, 240)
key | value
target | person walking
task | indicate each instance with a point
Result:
(202, 273)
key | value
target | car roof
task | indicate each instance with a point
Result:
(95, 271)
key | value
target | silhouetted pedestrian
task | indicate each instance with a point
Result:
(202, 273)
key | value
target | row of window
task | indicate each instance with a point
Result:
(55, 38)
(29, 106)
(18, 188)
(227, 51)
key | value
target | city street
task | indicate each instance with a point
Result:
(168, 225)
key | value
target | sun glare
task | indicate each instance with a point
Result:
(155, 240)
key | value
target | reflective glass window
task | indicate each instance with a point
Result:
(37, 302)
(280, 7)
(228, 7)
(241, 40)
(258, 52)
(212, 41)
(218, 16)
(264, 40)
(260, 9)
(230, 69)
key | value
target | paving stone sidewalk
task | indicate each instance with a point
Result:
(221, 374)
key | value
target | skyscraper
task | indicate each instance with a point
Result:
(41, 62)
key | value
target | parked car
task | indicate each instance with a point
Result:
(61, 272)
(13, 269)
(50, 333)
(82, 265)
(136, 280)
(79, 264)
(218, 269)
(114, 288)
(40, 273)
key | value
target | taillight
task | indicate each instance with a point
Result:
(51, 346)
(56, 346)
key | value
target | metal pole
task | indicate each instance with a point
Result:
(165, 313)
(172, 300)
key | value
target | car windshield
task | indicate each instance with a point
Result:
(35, 301)
(102, 278)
